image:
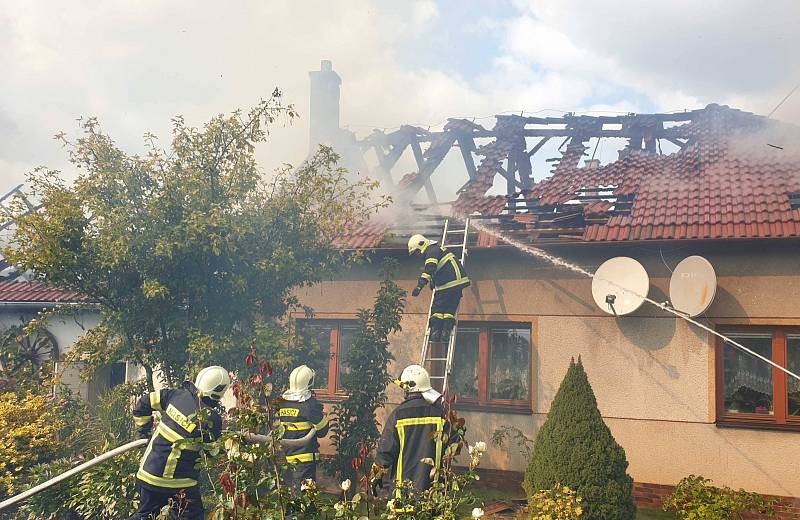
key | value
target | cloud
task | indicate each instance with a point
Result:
(134, 65)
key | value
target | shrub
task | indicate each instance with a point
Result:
(574, 447)
(696, 499)
(356, 428)
(556, 503)
(107, 491)
(29, 427)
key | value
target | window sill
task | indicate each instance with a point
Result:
(330, 398)
(494, 408)
(744, 424)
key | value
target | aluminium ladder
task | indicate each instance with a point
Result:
(439, 363)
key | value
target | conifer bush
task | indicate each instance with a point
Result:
(575, 448)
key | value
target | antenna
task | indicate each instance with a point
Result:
(693, 286)
(620, 285)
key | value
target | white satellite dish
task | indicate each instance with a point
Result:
(620, 285)
(693, 286)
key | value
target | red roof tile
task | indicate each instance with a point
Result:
(36, 292)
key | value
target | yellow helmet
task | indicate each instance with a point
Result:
(417, 243)
(301, 379)
(212, 382)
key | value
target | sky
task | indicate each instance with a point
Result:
(136, 64)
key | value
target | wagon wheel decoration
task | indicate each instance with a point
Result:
(27, 355)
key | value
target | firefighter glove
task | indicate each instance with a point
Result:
(416, 291)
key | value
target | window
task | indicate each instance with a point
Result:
(749, 391)
(491, 365)
(331, 340)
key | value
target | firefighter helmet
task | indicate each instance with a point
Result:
(212, 382)
(301, 379)
(418, 243)
(416, 379)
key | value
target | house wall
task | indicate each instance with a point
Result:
(653, 374)
(66, 331)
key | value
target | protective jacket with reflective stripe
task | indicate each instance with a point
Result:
(442, 269)
(298, 418)
(169, 461)
(407, 439)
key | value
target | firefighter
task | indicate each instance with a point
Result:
(407, 434)
(444, 272)
(299, 412)
(167, 472)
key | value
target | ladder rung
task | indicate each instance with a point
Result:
(454, 231)
(453, 245)
(436, 359)
(436, 377)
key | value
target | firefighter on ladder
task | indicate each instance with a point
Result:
(409, 434)
(444, 272)
(167, 473)
(299, 412)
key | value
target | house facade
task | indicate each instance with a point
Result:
(676, 398)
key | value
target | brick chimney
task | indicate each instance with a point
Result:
(324, 110)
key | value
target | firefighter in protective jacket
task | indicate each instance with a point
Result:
(167, 471)
(444, 272)
(299, 413)
(407, 436)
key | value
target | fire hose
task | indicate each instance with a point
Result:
(251, 438)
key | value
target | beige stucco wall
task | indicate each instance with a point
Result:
(653, 374)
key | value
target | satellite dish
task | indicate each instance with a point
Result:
(610, 281)
(693, 286)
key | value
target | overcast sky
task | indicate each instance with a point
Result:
(134, 65)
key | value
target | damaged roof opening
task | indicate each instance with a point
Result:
(702, 174)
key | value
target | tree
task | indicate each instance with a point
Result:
(575, 448)
(190, 252)
(355, 429)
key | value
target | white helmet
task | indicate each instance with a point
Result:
(212, 382)
(416, 378)
(301, 379)
(417, 243)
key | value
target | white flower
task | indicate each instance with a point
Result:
(480, 446)
(477, 512)
(307, 484)
(345, 486)
(428, 461)
(390, 504)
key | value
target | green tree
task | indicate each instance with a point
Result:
(355, 429)
(190, 252)
(575, 448)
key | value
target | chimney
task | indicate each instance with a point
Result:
(324, 110)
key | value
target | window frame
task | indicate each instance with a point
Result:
(780, 419)
(333, 390)
(483, 400)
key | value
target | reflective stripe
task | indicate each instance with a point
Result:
(418, 421)
(297, 426)
(454, 283)
(141, 421)
(173, 436)
(303, 457)
(443, 315)
(172, 461)
(446, 258)
(174, 483)
(402, 434)
(155, 401)
(427, 244)
(431, 261)
(426, 276)
(323, 423)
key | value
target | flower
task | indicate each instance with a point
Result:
(477, 512)
(480, 446)
(308, 485)
(428, 461)
(390, 504)
(345, 485)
